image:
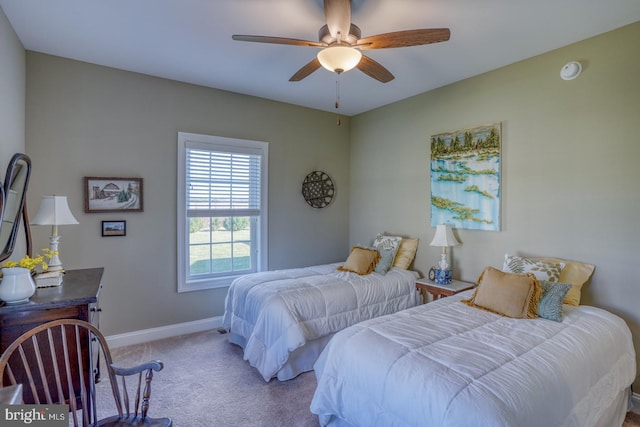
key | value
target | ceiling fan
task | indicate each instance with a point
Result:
(341, 43)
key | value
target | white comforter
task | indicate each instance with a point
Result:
(448, 364)
(277, 312)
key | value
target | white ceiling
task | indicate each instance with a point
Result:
(190, 40)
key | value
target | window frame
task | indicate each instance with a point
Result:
(218, 143)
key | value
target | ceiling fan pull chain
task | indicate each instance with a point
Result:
(337, 98)
(337, 91)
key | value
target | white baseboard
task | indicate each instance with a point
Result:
(146, 335)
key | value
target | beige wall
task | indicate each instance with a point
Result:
(570, 175)
(12, 88)
(12, 102)
(88, 120)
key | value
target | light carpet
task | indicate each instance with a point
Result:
(206, 383)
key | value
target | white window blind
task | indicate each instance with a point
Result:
(221, 183)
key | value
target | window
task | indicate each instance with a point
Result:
(222, 210)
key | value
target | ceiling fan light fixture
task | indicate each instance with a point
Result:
(339, 58)
(341, 42)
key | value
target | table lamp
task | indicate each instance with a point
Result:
(444, 237)
(54, 211)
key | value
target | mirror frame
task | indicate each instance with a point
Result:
(2, 201)
(12, 170)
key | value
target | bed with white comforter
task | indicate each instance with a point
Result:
(448, 364)
(284, 318)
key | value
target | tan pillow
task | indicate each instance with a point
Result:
(574, 273)
(507, 294)
(406, 253)
(361, 260)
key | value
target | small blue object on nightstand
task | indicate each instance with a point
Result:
(443, 277)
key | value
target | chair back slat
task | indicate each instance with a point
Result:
(12, 378)
(53, 364)
(66, 355)
(125, 396)
(137, 399)
(41, 371)
(86, 396)
(27, 372)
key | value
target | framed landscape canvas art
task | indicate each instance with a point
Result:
(114, 228)
(465, 178)
(102, 194)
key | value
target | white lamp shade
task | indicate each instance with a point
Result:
(54, 210)
(444, 237)
(339, 58)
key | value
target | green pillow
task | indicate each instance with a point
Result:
(550, 305)
(387, 246)
(387, 255)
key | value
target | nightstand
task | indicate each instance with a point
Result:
(437, 291)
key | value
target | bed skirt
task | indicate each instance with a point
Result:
(299, 361)
(614, 415)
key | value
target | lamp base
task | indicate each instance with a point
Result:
(443, 277)
(443, 264)
(54, 264)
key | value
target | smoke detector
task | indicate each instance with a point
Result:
(571, 70)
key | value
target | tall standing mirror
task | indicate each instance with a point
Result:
(14, 206)
(2, 202)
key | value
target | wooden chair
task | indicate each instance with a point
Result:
(55, 366)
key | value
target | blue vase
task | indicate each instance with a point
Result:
(443, 277)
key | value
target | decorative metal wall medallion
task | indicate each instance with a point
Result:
(318, 189)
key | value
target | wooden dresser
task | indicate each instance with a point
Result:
(76, 298)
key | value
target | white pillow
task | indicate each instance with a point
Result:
(543, 270)
(386, 242)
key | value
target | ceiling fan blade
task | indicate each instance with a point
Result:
(305, 70)
(404, 38)
(373, 69)
(277, 40)
(338, 16)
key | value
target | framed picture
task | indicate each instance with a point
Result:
(102, 194)
(114, 228)
(465, 178)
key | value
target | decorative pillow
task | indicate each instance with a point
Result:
(386, 260)
(507, 294)
(574, 273)
(406, 253)
(543, 270)
(361, 260)
(387, 246)
(550, 305)
(385, 241)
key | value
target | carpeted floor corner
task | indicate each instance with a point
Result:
(205, 382)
